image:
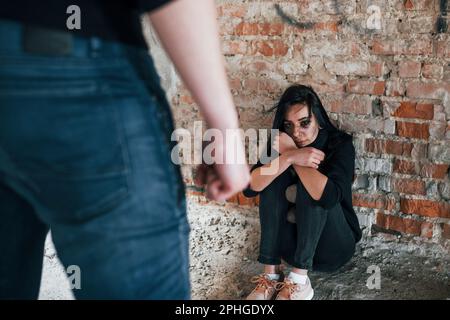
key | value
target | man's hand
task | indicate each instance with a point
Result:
(222, 181)
(189, 32)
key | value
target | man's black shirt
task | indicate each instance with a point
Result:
(117, 20)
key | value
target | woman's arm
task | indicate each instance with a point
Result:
(264, 175)
(313, 180)
(188, 31)
(308, 158)
(261, 177)
(329, 189)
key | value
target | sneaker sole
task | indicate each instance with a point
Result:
(310, 296)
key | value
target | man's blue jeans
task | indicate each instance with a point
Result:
(85, 152)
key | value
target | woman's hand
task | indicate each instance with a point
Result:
(306, 157)
(283, 143)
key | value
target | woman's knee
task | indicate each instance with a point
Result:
(278, 184)
(303, 197)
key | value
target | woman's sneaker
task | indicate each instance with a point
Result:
(265, 287)
(288, 290)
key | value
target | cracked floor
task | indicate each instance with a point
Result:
(224, 246)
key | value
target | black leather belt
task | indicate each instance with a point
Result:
(38, 40)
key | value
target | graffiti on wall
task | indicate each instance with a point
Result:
(373, 22)
(442, 24)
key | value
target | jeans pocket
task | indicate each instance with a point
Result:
(45, 77)
(72, 151)
(78, 201)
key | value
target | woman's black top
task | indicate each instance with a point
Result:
(338, 166)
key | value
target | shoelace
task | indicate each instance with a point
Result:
(262, 281)
(288, 285)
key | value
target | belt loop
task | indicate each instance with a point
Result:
(95, 46)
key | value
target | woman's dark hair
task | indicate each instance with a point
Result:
(300, 94)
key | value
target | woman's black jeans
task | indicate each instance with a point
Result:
(320, 240)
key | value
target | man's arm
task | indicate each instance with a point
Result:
(188, 31)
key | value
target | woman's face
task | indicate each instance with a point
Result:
(302, 129)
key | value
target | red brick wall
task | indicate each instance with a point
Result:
(389, 87)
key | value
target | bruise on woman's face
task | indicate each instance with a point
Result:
(299, 126)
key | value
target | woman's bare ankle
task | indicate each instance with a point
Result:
(272, 269)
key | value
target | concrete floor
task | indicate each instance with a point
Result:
(224, 246)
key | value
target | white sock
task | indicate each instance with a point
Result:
(298, 278)
(273, 276)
